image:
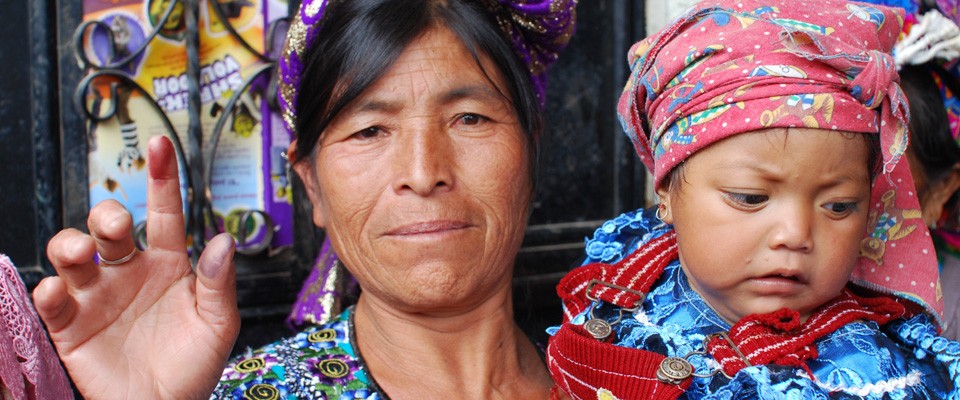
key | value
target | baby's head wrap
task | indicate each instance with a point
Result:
(537, 30)
(733, 66)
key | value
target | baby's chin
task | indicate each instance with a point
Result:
(733, 310)
(735, 315)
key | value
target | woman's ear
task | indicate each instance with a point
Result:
(306, 170)
(939, 194)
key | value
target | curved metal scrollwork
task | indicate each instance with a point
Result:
(110, 72)
(81, 33)
(95, 116)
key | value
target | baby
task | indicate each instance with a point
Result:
(788, 257)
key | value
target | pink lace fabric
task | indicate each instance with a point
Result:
(29, 367)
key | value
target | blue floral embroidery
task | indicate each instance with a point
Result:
(605, 245)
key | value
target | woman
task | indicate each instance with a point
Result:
(926, 56)
(935, 156)
(416, 143)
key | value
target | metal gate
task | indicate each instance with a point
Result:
(589, 172)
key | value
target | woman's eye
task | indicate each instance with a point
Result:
(368, 133)
(472, 119)
(748, 199)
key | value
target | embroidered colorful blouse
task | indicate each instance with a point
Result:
(321, 362)
(901, 360)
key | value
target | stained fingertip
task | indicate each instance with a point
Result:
(216, 287)
(158, 140)
(159, 155)
(217, 255)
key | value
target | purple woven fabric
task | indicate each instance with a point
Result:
(320, 296)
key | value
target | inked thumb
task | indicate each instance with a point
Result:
(216, 284)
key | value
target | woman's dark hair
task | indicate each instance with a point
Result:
(361, 39)
(930, 136)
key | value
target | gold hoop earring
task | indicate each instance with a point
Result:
(660, 209)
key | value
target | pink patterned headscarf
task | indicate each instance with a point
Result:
(734, 66)
(29, 367)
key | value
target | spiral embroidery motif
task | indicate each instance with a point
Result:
(323, 335)
(333, 368)
(261, 391)
(250, 365)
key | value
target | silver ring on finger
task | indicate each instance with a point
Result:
(121, 260)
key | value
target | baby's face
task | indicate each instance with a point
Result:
(771, 219)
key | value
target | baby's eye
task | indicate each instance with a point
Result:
(747, 199)
(372, 132)
(841, 208)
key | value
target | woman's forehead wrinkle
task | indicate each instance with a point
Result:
(422, 72)
(429, 72)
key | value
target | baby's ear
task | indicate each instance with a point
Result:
(664, 211)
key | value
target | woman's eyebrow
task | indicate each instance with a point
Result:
(479, 92)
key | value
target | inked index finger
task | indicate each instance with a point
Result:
(165, 223)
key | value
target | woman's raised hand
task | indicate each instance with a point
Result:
(147, 326)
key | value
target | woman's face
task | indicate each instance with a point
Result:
(769, 220)
(933, 195)
(422, 183)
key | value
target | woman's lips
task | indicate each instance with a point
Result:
(429, 227)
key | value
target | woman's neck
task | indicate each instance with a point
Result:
(478, 353)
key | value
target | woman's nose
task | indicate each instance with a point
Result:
(425, 160)
(792, 228)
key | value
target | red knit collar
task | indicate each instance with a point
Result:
(780, 338)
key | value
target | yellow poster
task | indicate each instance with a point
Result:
(139, 49)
